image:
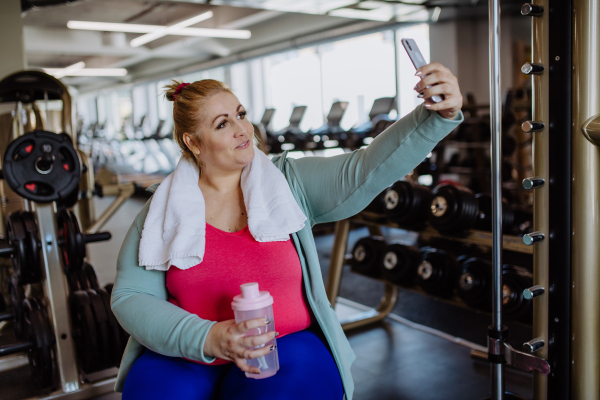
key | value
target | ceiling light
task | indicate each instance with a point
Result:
(374, 15)
(86, 72)
(138, 41)
(71, 68)
(138, 28)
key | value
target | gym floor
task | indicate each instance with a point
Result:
(394, 360)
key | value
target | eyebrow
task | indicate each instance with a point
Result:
(227, 115)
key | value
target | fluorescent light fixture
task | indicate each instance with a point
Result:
(67, 70)
(60, 72)
(148, 37)
(374, 15)
(138, 28)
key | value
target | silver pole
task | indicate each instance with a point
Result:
(496, 156)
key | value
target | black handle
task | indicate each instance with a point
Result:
(97, 237)
(6, 317)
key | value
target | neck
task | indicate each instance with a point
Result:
(220, 182)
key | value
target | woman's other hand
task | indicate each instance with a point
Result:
(226, 340)
(441, 82)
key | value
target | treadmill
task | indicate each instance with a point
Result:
(331, 130)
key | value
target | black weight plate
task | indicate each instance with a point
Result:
(474, 285)
(17, 238)
(84, 331)
(70, 241)
(515, 280)
(41, 353)
(42, 166)
(399, 264)
(437, 272)
(33, 244)
(17, 296)
(101, 318)
(484, 217)
(366, 256)
(453, 208)
(82, 278)
(376, 204)
(117, 347)
(407, 203)
(91, 276)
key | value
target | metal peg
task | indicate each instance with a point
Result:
(533, 237)
(532, 10)
(533, 345)
(532, 126)
(533, 291)
(532, 69)
(533, 182)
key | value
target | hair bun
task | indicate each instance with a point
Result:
(171, 89)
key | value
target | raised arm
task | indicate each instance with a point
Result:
(139, 303)
(339, 187)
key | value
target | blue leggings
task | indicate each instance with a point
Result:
(306, 371)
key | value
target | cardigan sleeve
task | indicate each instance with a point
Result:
(338, 187)
(139, 302)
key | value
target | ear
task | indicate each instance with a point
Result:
(191, 143)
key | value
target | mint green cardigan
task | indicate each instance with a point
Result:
(327, 189)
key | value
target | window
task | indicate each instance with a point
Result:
(294, 79)
(358, 70)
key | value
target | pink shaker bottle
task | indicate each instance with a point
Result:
(252, 304)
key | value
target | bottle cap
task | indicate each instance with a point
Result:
(251, 298)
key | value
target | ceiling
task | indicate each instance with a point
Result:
(50, 44)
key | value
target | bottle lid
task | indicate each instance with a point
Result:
(251, 298)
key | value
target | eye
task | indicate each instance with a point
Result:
(222, 124)
(242, 115)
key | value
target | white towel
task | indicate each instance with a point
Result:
(175, 227)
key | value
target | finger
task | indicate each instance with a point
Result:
(430, 68)
(445, 89)
(436, 78)
(253, 341)
(250, 354)
(245, 326)
(243, 365)
(448, 104)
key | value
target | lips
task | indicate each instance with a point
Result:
(244, 145)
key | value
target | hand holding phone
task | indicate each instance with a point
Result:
(418, 61)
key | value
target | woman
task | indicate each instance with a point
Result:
(206, 231)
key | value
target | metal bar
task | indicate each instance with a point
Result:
(497, 374)
(336, 263)
(559, 58)
(388, 301)
(585, 252)
(55, 290)
(86, 391)
(126, 191)
(86, 207)
(14, 348)
(540, 162)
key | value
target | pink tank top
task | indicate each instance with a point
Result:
(234, 258)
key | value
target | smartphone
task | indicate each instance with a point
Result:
(418, 61)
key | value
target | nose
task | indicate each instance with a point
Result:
(242, 128)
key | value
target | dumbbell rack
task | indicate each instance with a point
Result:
(374, 222)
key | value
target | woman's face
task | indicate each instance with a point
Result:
(227, 135)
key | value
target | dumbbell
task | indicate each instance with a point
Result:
(514, 281)
(407, 203)
(453, 208)
(474, 285)
(484, 217)
(366, 256)
(437, 272)
(399, 264)
(377, 204)
(37, 339)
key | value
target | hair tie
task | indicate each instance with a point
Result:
(178, 90)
